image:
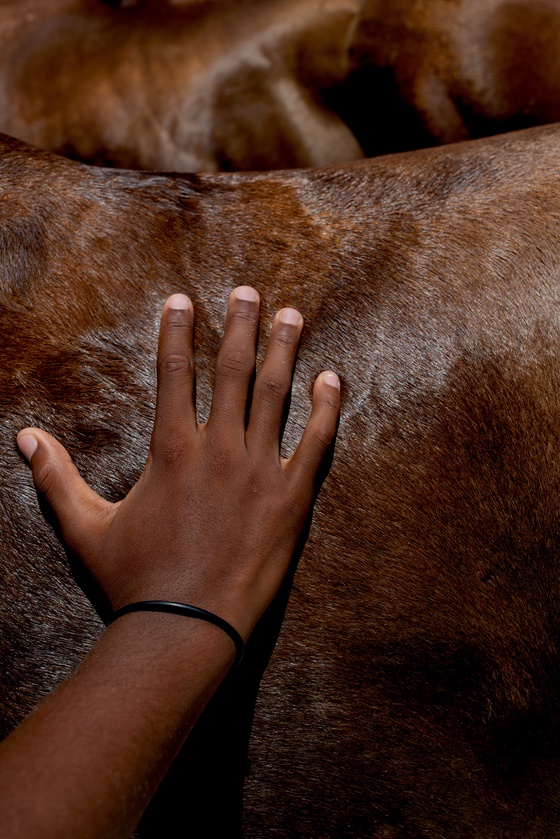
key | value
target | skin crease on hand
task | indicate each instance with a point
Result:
(213, 521)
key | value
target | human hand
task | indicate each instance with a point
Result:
(214, 519)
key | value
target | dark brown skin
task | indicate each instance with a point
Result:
(213, 520)
(414, 689)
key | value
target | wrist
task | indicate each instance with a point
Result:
(176, 648)
(188, 611)
(235, 607)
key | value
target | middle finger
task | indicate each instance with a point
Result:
(236, 361)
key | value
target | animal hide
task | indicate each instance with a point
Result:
(414, 688)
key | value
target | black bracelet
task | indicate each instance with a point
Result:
(188, 612)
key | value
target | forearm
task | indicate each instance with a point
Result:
(95, 750)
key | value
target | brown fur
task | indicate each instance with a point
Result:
(264, 84)
(441, 71)
(414, 690)
(179, 86)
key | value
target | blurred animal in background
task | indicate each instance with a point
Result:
(231, 85)
(179, 86)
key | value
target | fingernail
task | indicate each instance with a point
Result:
(245, 292)
(179, 301)
(331, 379)
(27, 445)
(291, 316)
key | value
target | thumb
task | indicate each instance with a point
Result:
(76, 506)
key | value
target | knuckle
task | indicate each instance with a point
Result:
(175, 364)
(271, 388)
(177, 320)
(295, 505)
(219, 454)
(45, 477)
(322, 438)
(243, 314)
(171, 453)
(331, 402)
(234, 363)
(285, 338)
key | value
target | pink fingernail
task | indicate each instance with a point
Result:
(291, 316)
(245, 292)
(27, 445)
(331, 379)
(179, 301)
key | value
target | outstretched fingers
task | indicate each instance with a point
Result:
(78, 509)
(320, 429)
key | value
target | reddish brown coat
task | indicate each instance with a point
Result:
(414, 690)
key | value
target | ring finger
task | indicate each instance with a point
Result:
(274, 381)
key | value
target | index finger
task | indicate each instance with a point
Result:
(175, 410)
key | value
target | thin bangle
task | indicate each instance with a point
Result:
(188, 612)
